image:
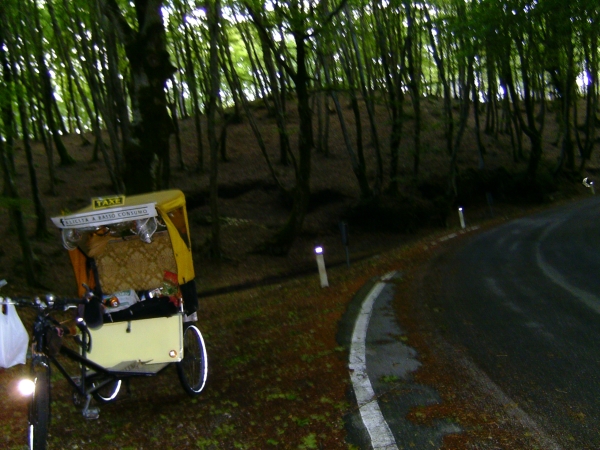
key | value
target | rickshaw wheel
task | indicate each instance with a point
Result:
(193, 368)
(39, 407)
(107, 393)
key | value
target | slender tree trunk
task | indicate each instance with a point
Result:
(214, 16)
(284, 143)
(285, 237)
(18, 220)
(47, 93)
(41, 230)
(531, 130)
(394, 71)
(190, 77)
(480, 146)
(369, 104)
(118, 93)
(414, 81)
(358, 162)
(257, 133)
(466, 80)
(87, 61)
(197, 123)
(260, 77)
(33, 93)
(439, 62)
(176, 132)
(586, 144)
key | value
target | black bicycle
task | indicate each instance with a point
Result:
(93, 381)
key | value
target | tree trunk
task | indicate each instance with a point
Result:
(480, 146)
(466, 79)
(414, 82)
(358, 161)
(10, 67)
(147, 152)
(369, 104)
(257, 134)
(439, 62)
(176, 131)
(586, 144)
(284, 143)
(284, 239)
(214, 16)
(394, 71)
(17, 218)
(47, 92)
(200, 160)
(190, 77)
(530, 128)
(87, 60)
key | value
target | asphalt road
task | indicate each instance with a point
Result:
(523, 302)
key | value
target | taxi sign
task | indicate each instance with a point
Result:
(90, 219)
(108, 202)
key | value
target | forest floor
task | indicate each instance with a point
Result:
(278, 377)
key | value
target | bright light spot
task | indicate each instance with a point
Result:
(26, 387)
(166, 14)
(196, 17)
(583, 80)
(233, 16)
(318, 250)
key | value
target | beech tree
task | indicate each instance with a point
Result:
(147, 150)
(131, 69)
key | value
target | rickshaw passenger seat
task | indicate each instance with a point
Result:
(129, 263)
(133, 264)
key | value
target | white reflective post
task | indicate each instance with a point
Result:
(461, 216)
(321, 266)
(589, 184)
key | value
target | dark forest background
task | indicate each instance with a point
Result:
(429, 104)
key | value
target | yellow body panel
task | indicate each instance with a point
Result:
(148, 340)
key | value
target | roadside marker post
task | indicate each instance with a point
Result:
(344, 232)
(461, 216)
(589, 184)
(321, 266)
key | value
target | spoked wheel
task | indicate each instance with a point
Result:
(39, 407)
(193, 368)
(107, 393)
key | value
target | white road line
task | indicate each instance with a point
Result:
(588, 298)
(379, 431)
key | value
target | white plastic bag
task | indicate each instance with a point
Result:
(13, 338)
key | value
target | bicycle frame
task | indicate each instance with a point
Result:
(44, 324)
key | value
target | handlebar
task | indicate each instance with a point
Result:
(47, 302)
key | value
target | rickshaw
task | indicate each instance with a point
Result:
(136, 310)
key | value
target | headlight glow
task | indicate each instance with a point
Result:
(26, 387)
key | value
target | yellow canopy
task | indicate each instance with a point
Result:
(170, 205)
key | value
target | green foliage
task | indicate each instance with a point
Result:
(309, 441)
(12, 203)
(544, 47)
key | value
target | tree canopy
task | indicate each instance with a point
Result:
(134, 68)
